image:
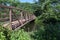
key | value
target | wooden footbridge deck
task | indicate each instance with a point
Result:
(23, 17)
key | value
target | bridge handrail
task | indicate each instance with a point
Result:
(11, 7)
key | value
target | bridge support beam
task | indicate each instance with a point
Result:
(10, 14)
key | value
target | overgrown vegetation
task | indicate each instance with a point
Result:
(47, 21)
(13, 35)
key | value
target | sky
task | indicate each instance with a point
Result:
(30, 1)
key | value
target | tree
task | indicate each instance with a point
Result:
(48, 22)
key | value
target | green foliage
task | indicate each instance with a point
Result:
(48, 23)
(6, 34)
(20, 35)
(2, 36)
(48, 32)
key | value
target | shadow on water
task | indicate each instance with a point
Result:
(29, 27)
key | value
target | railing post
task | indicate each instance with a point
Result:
(21, 17)
(29, 16)
(26, 17)
(10, 15)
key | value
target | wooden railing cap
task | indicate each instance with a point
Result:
(10, 7)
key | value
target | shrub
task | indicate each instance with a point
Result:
(2, 36)
(20, 35)
(6, 34)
